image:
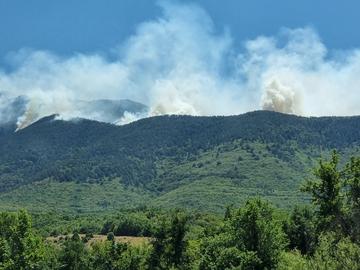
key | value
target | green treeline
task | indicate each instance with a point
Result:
(91, 152)
(323, 235)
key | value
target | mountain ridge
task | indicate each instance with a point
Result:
(13, 111)
(165, 156)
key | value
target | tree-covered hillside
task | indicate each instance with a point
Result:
(257, 236)
(196, 162)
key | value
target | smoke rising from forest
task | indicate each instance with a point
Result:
(180, 63)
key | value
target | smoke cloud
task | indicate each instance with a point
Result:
(180, 64)
(280, 98)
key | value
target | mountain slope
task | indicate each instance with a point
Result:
(13, 110)
(198, 162)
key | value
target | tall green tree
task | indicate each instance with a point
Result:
(159, 247)
(256, 230)
(177, 242)
(333, 254)
(74, 255)
(352, 175)
(300, 230)
(20, 248)
(169, 244)
(327, 196)
(251, 239)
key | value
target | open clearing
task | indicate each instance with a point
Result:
(132, 240)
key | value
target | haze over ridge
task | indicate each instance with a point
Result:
(180, 64)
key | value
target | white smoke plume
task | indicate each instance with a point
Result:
(277, 97)
(180, 64)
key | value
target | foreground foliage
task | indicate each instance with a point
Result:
(251, 238)
(255, 236)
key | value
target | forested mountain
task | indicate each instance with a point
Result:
(196, 162)
(13, 110)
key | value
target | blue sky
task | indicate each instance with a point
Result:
(69, 26)
(201, 57)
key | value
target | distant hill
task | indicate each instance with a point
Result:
(103, 110)
(110, 111)
(10, 110)
(204, 163)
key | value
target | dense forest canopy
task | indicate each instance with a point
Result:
(172, 161)
(323, 235)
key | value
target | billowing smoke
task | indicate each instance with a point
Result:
(279, 98)
(11, 109)
(180, 64)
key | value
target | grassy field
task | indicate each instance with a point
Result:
(132, 240)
